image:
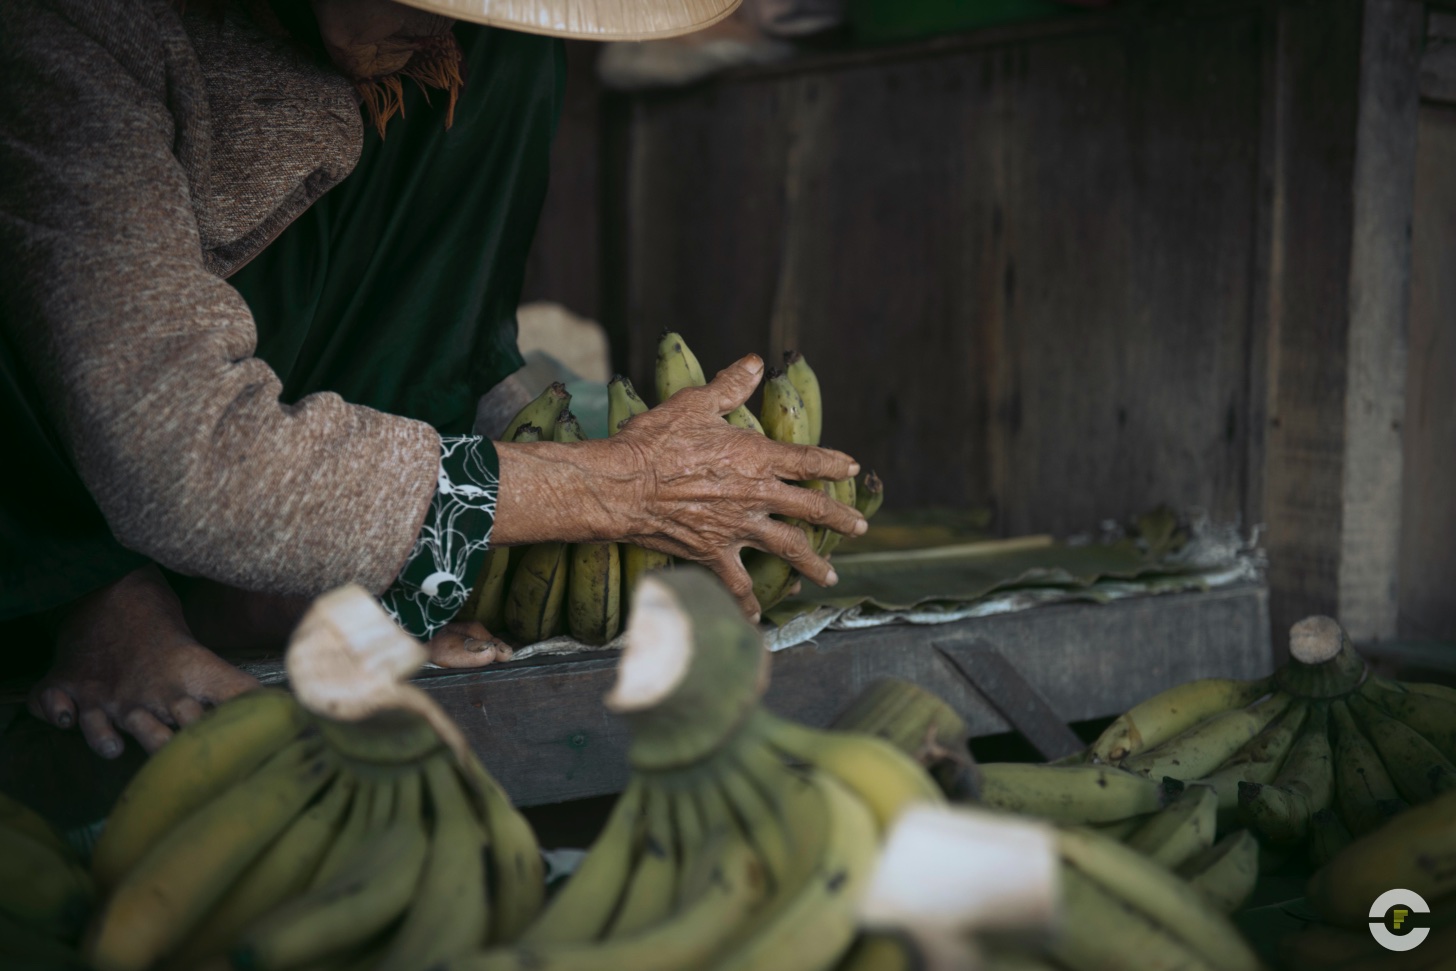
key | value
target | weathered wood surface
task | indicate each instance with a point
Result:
(542, 731)
(1428, 534)
(1438, 63)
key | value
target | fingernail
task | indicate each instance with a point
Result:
(861, 527)
(64, 720)
(110, 748)
(832, 579)
(755, 365)
(854, 468)
(757, 617)
(475, 646)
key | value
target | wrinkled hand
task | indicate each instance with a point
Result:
(680, 479)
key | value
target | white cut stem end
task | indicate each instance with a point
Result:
(1315, 640)
(658, 652)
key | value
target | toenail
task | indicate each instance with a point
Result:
(110, 749)
(64, 720)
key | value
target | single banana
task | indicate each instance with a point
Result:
(1225, 873)
(1259, 759)
(543, 412)
(449, 914)
(350, 839)
(593, 598)
(1364, 791)
(1069, 794)
(1418, 769)
(869, 494)
(802, 377)
(582, 909)
(1304, 785)
(1159, 895)
(1429, 709)
(487, 599)
(518, 886)
(161, 899)
(16, 815)
(1204, 747)
(677, 366)
(811, 925)
(650, 891)
(636, 561)
(201, 761)
(784, 418)
(623, 403)
(1327, 837)
(1180, 831)
(282, 872)
(1172, 712)
(42, 889)
(537, 592)
(364, 898)
(1416, 853)
(842, 492)
(741, 417)
(884, 778)
(1100, 933)
(760, 813)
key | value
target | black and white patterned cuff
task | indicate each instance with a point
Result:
(441, 569)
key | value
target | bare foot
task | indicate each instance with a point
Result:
(127, 662)
(467, 644)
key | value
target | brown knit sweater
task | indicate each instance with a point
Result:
(143, 158)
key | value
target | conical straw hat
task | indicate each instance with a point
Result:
(589, 19)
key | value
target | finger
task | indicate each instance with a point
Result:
(814, 506)
(55, 706)
(100, 734)
(795, 588)
(730, 570)
(146, 728)
(790, 543)
(185, 711)
(809, 462)
(735, 384)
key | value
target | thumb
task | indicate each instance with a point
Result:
(735, 384)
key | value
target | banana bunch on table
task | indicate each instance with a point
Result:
(46, 894)
(263, 837)
(537, 592)
(742, 841)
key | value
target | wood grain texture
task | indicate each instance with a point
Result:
(1428, 535)
(541, 730)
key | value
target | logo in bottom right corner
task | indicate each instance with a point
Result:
(1398, 920)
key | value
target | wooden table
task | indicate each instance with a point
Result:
(540, 728)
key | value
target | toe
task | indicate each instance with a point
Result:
(467, 645)
(55, 706)
(185, 711)
(143, 726)
(100, 734)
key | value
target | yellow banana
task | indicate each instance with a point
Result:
(593, 599)
(1364, 791)
(366, 895)
(1259, 759)
(1225, 873)
(637, 560)
(537, 592)
(1100, 933)
(623, 403)
(741, 417)
(161, 898)
(41, 888)
(282, 872)
(1199, 750)
(201, 761)
(1418, 769)
(1182, 830)
(449, 914)
(542, 412)
(1171, 713)
(487, 599)
(677, 366)
(1069, 794)
(806, 382)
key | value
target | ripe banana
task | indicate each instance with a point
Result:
(1429, 709)
(1172, 712)
(1364, 791)
(1416, 852)
(159, 901)
(40, 888)
(1304, 785)
(636, 561)
(1159, 895)
(201, 761)
(802, 377)
(1180, 831)
(1225, 873)
(593, 599)
(486, 602)
(1259, 759)
(1204, 747)
(538, 590)
(542, 412)
(1069, 794)
(677, 366)
(623, 403)
(783, 416)
(1418, 769)
(1102, 933)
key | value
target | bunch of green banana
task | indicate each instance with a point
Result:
(45, 892)
(266, 838)
(742, 840)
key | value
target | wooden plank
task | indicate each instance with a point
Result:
(540, 728)
(1428, 534)
(1438, 63)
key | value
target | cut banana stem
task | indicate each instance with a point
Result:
(677, 366)
(1322, 660)
(1225, 873)
(802, 377)
(1171, 712)
(1069, 794)
(542, 412)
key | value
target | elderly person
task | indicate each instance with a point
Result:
(260, 260)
